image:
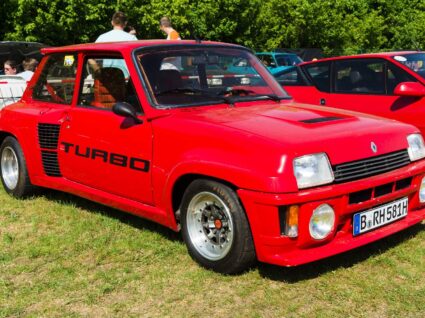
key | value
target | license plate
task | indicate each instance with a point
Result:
(371, 219)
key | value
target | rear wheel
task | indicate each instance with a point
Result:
(14, 174)
(215, 227)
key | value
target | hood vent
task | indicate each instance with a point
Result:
(48, 136)
(320, 120)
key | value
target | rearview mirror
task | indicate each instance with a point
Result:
(126, 110)
(410, 89)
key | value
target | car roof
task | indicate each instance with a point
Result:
(130, 45)
(275, 53)
(365, 55)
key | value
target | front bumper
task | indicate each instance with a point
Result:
(272, 247)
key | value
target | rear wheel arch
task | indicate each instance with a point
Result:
(3, 136)
(14, 172)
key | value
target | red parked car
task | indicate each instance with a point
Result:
(163, 130)
(390, 85)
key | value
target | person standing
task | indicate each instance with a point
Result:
(117, 34)
(29, 65)
(10, 67)
(165, 26)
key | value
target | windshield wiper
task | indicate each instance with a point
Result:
(190, 90)
(246, 92)
(273, 97)
(235, 92)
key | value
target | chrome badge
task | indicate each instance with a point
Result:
(373, 147)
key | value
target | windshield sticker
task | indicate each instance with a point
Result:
(69, 60)
(400, 58)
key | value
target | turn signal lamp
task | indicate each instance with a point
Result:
(422, 191)
(290, 227)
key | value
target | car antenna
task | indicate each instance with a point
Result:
(197, 39)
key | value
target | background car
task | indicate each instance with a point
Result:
(389, 84)
(277, 62)
(12, 87)
(18, 51)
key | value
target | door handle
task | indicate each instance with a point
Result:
(322, 102)
(65, 118)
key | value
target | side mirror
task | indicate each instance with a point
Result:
(410, 89)
(126, 110)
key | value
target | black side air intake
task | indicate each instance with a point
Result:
(48, 136)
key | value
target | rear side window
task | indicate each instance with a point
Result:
(292, 77)
(320, 75)
(57, 80)
(360, 76)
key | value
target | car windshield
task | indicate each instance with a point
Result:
(178, 76)
(414, 61)
(288, 60)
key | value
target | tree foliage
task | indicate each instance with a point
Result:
(336, 26)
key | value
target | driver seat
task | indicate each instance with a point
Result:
(109, 87)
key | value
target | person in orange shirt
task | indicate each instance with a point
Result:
(165, 26)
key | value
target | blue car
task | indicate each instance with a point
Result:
(277, 62)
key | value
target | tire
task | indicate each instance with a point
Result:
(14, 174)
(215, 227)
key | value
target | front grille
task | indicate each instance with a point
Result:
(360, 169)
(379, 191)
(48, 135)
(50, 163)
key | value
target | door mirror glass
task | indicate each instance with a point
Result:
(126, 110)
(410, 89)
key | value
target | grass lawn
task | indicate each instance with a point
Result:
(62, 256)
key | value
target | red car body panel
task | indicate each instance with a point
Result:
(408, 109)
(250, 145)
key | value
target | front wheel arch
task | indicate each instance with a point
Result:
(215, 227)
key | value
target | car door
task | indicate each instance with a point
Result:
(312, 83)
(100, 149)
(367, 85)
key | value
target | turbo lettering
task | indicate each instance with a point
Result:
(115, 159)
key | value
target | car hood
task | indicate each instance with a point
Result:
(305, 129)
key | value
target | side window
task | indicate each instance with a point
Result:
(106, 81)
(395, 76)
(267, 60)
(57, 80)
(292, 77)
(319, 74)
(360, 76)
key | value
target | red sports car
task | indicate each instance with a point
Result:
(390, 85)
(168, 131)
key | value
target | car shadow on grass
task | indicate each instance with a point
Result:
(124, 217)
(344, 260)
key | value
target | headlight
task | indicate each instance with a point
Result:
(416, 148)
(312, 170)
(322, 222)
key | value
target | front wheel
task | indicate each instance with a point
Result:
(14, 174)
(215, 227)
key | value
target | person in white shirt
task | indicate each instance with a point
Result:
(29, 65)
(117, 34)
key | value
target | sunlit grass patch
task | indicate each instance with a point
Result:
(65, 256)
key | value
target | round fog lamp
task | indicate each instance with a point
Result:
(422, 191)
(322, 222)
